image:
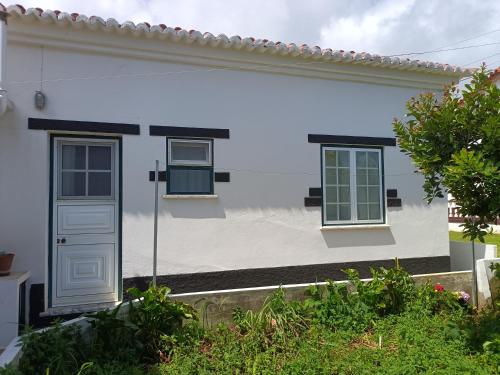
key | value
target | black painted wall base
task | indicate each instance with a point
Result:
(249, 278)
(36, 306)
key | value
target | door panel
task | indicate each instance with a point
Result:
(85, 220)
(85, 269)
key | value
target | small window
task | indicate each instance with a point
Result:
(85, 171)
(190, 168)
(352, 186)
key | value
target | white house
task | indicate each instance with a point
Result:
(278, 161)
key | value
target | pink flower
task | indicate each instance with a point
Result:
(438, 288)
(464, 296)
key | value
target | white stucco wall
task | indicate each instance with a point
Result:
(259, 219)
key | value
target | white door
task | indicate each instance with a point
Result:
(85, 221)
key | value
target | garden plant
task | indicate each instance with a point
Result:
(387, 325)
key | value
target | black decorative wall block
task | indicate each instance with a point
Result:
(315, 192)
(392, 193)
(222, 177)
(83, 126)
(181, 131)
(394, 202)
(392, 198)
(351, 140)
(312, 201)
(162, 176)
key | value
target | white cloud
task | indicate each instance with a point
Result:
(376, 26)
(363, 29)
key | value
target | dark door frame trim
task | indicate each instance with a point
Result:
(51, 200)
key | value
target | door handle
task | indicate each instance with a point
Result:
(63, 240)
(58, 240)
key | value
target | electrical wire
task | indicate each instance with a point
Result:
(470, 38)
(445, 49)
(481, 59)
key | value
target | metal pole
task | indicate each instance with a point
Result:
(474, 276)
(155, 240)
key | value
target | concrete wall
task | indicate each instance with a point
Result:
(488, 285)
(259, 219)
(461, 254)
(218, 306)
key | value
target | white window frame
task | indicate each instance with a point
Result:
(353, 186)
(204, 163)
(97, 142)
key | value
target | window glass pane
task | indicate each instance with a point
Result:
(361, 176)
(373, 177)
(343, 158)
(100, 157)
(73, 157)
(362, 194)
(100, 184)
(374, 211)
(360, 159)
(331, 194)
(344, 212)
(330, 158)
(344, 195)
(372, 159)
(338, 188)
(374, 194)
(331, 212)
(344, 176)
(189, 151)
(190, 180)
(331, 176)
(72, 184)
(362, 211)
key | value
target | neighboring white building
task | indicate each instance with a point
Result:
(280, 160)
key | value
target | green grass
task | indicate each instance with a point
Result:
(493, 239)
(413, 343)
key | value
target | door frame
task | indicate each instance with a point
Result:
(52, 150)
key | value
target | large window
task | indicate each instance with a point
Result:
(352, 186)
(190, 167)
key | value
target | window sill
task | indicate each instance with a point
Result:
(354, 227)
(190, 196)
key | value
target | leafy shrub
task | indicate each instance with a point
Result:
(113, 338)
(157, 319)
(276, 321)
(333, 307)
(388, 292)
(437, 301)
(59, 348)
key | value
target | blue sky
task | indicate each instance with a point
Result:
(377, 26)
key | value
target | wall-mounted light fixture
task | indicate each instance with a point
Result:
(39, 100)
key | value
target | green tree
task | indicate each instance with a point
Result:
(454, 141)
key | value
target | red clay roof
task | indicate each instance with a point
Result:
(263, 46)
(495, 75)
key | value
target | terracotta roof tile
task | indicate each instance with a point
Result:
(180, 35)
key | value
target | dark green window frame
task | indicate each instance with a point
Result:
(209, 168)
